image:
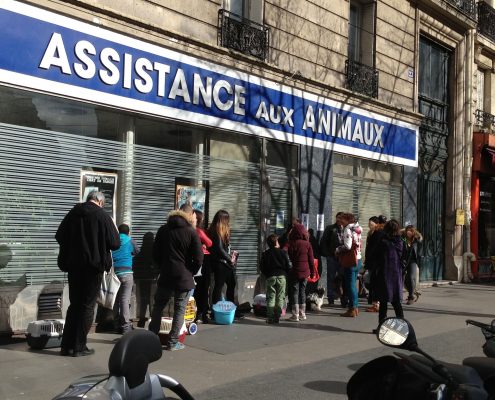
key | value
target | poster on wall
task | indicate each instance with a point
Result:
(105, 182)
(195, 196)
(320, 222)
(280, 220)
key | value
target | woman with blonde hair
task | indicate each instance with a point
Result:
(411, 238)
(220, 259)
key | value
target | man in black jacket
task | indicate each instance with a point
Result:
(331, 239)
(86, 235)
(177, 251)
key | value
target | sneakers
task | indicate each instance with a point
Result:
(175, 346)
(294, 318)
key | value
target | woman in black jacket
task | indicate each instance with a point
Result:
(221, 261)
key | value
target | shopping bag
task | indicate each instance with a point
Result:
(110, 285)
(316, 275)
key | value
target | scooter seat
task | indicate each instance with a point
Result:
(132, 354)
(484, 366)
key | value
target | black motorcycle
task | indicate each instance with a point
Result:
(128, 377)
(489, 334)
(418, 376)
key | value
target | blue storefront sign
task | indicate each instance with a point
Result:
(48, 52)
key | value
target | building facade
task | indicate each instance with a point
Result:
(483, 171)
(268, 109)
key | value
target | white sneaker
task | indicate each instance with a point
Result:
(294, 318)
(302, 317)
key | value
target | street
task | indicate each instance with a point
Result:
(250, 359)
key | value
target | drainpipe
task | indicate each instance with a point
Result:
(468, 156)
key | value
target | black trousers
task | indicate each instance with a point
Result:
(382, 311)
(223, 275)
(202, 291)
(84, 285)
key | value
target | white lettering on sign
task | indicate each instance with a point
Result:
(143, 75)
(326, 122)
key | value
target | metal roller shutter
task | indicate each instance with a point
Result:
(40, 182)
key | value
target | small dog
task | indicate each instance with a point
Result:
(315, 300)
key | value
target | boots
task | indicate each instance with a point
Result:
(302, 312)
(351, 312)
(295, 313)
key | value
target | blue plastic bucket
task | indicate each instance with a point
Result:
(224, 312)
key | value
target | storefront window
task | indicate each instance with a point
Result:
(167, 135)
(486, 225)
(279, 154)
(35, 110)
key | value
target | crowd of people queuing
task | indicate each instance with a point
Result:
(187, 255)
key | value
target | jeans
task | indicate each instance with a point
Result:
(410, 279)
(275, 297)
(84, 285)
(350, 277)
(332, 269)
(121, 311)
(162, 297)
(297, 291)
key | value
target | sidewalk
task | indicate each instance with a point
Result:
(312, 359)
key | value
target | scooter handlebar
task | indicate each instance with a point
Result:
(171, 384)
(490, 328)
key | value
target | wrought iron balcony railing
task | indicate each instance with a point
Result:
(361, 78)
(240, 34)
(467, 7)
(486, 20)
(435, 114)
(484, 119)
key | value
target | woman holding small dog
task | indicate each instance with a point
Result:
(275, 265)
(352, 242)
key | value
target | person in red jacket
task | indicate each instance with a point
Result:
(202, 291)
(302, 259)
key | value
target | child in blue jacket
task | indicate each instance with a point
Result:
(122, 264)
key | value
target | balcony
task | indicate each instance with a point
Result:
(486, 20)
(467, 7)
(485, 120)
(240, 34)
(361, 78)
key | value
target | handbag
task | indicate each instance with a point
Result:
(110, 285)
(348, 258)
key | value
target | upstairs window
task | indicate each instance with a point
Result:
(247, 9)
(362, 32)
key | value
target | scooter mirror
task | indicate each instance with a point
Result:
(397, 332)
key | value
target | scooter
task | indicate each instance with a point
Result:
(417, 376)
(489, 333)
(128, 377)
